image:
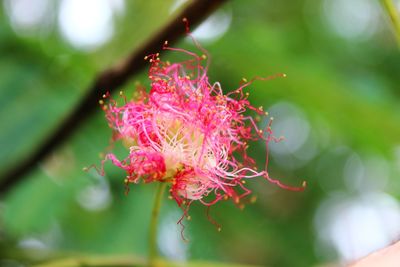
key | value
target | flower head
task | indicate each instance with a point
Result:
(185, 131)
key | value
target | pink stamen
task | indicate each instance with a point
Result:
(186, 132)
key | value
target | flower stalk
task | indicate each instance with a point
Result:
(153, 251)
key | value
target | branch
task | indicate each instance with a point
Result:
(110, 80)
(121, 261)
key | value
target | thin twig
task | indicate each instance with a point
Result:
(394, 17)
(110, 80)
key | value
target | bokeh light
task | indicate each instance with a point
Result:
(85, 31)
(352, 19)
(357, 226)
(28, 16)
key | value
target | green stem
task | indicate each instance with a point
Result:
(153, 252)
(394, 16)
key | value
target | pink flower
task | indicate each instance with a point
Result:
(186, 132)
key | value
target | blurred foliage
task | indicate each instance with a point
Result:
(345, 88)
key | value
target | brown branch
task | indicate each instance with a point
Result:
(110, 80)
(126, 261)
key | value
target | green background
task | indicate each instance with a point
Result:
(338, 105)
